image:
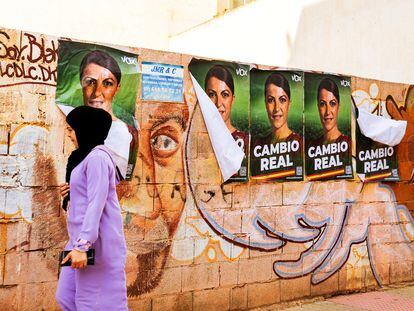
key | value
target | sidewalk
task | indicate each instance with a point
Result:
(388, 299)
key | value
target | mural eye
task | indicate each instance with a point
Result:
(163, 143)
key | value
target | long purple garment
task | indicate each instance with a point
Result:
(94, 217)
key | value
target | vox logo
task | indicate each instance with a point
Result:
(241, 72)
(129, 60)
(296, 78)
(345, 83)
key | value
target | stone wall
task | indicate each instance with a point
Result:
(193, 244)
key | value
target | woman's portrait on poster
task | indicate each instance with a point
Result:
(100, 79)
(328, 102)
(219, 86)
(278, 102)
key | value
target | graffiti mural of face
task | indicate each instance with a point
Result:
(221, 96)
(154, 206)
(277, 106)
(328, 107)
(99, 87)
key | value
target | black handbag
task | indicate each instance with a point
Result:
(90, 254)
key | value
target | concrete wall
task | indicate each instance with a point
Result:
(129, 22)
(177, 259)
(259, 32)
(365, 38)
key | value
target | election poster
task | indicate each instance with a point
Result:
(328, 146)
(227, 85)
(276, 105)
(376, 161)
(106, 78)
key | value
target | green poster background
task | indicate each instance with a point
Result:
(239, 115)
(69, 90)
(313, 126)
(260, 125)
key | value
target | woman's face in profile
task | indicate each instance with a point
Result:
(72, 135)
(221, 96)
(277, 105)
(99, 87)
(328, 107)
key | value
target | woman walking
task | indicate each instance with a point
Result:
(94, 220)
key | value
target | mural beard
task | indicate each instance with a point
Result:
(154, 200)
(149, 273)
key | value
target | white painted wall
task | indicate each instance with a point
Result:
(141, 23)
(370, 38)
(260, 32)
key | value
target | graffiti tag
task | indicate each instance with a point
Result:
(33, 61)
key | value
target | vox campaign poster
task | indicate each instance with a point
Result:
(328, 147)
(227, 85)
(106, 78)
(276, 105)
(376, 161)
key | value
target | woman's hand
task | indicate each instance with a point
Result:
(79, 259)
(64, 190)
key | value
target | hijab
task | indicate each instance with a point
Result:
(91, 126)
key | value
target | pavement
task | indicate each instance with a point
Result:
(387, 299)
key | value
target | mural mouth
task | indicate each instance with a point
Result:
(155, 238)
